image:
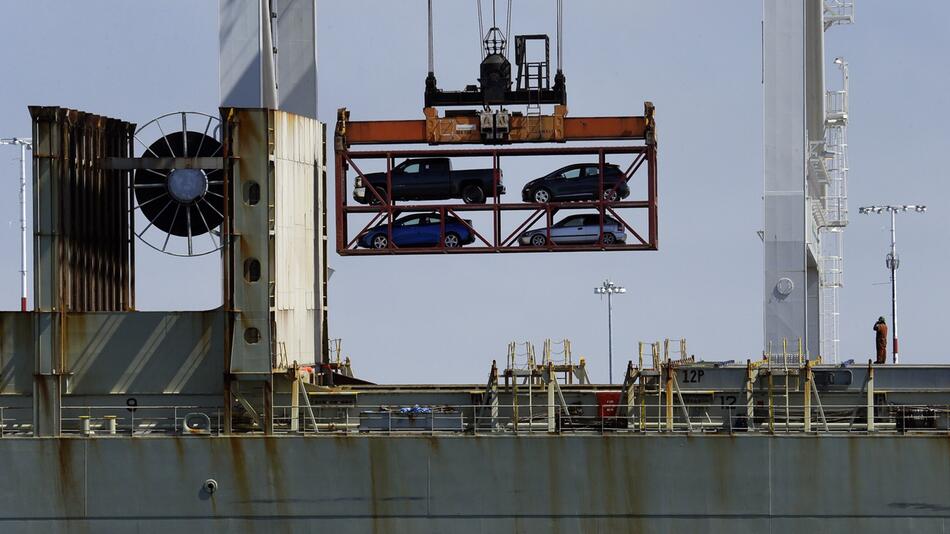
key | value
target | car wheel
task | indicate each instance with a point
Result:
(611, 195)
(473, 194)
(539, 240)
(452, 240)
(542, 196)
(372, 198)
(379, 241)
(609, 238)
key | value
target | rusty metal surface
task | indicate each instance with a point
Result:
(297, 232)
(83, 209)
(275, 279)
(249, 140)
(512, 484)
(465, 129)
(127, 164)
(16, 353)
(83, 253)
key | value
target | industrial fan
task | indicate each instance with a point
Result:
(180, 204)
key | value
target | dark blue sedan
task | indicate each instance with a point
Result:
(420, 230)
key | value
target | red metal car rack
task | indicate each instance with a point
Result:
(384, 211)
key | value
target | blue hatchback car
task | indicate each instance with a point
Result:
(419, 230)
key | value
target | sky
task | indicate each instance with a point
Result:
(445, 318)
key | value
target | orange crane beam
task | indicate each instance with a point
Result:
(465, 129)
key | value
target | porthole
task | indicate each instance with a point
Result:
(252, 270)
(252, 193)
(252, 335)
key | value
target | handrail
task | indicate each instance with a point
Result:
(539, 418)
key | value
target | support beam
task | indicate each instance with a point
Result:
(668, 366)
(465, 129)
(793, 124)
(551, 385)
(807, 395)
(127, 164)
(750, 377)
(870, 396)
(295, 400)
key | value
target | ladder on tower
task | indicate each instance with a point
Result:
(535, 77)
(521, 381)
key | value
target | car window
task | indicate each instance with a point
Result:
(412, 168)
(591, 171)
(411, 221)
(435, 166)
(576, 220)
(594, 220)
(571, 174)
(432, 219)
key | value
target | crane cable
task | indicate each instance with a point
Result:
(508, 28)
(560, 30)
(481, 29)
(431, 53)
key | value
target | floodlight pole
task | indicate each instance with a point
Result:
(893, 262)
(609, 288)
(24, 144)
(610, 340)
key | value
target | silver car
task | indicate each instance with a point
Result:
(576, 230)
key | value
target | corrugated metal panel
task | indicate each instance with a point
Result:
(81, 217)
(297, 142)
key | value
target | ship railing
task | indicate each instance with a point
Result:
(639, 418)
(613, 419)
(16, 421)
(112, 420)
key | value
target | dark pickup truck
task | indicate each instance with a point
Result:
(429, 179)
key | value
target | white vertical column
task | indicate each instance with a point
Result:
(23, 289)
(296, 44)
(784, 158)
(793, 114)
(268, 55)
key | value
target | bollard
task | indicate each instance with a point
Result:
(84, 426)
(111, 424)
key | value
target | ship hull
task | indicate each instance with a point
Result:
(462, 484)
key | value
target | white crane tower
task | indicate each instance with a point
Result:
(805, 175)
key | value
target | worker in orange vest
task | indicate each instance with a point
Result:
(880, 339)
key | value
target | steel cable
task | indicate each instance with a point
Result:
(431, 53)
(508, 27)
(560, 31)
(481, 29)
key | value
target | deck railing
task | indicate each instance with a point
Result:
(143, 421)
